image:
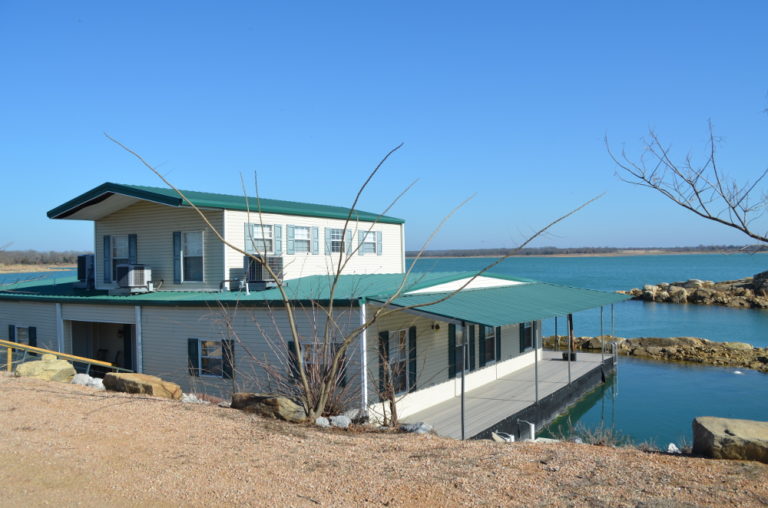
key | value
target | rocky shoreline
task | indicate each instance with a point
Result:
(749, 292)
(675, 349)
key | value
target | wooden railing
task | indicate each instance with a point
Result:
(10, 347)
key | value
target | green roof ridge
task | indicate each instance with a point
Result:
(169, 197)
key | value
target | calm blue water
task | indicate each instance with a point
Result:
(649, 401)
(10, 278)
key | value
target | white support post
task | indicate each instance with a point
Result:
(139, 342)
(363, 358)
(59, 329)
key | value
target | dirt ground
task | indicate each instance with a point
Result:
(70, 445)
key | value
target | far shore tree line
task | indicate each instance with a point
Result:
(566, 251)
(34, 257)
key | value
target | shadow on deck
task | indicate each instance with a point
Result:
(499, 404)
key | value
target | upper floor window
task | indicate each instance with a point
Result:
(120, 253)
(337, 240)
(192, 256)
(301, 240)
(262, 240)
(368, 244)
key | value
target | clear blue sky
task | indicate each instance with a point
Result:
(506, 100)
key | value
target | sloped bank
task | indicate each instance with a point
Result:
(749, 293)
(675, 349)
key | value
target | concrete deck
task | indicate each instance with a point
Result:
(491, 403)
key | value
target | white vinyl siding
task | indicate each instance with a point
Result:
(166, 331)
(391, 260)
(154, 225)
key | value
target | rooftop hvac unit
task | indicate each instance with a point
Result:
(258, 277)
(136, 278)
(85, 274)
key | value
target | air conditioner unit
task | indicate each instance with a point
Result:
(258, 276)
(85, 274)
(136, 278)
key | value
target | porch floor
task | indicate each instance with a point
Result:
(493, 402)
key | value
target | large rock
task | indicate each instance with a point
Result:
(48, 368)
(727, 438)
(270, 406)
(141, 383)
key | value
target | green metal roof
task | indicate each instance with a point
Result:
(210, 200)
(498, 306)
(512, 304)
(305, 289)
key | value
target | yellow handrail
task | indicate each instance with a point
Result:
(10, 345)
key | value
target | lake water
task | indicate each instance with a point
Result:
(649, 401)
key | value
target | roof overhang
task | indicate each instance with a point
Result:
(499, 306)
(104, 200)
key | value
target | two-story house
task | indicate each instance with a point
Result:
(193, 312)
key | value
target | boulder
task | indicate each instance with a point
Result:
(322, 421)
(678, 295)
(340, 421)
(86, 380)
(141, 383)
(269, 406)
(48, 369)
(728, 438)
(416, 428)
(738, 346)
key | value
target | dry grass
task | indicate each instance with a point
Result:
(68, 445)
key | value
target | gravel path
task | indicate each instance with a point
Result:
(68, 445)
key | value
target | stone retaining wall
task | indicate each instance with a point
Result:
(676, 349)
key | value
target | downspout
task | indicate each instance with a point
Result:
(59, 329)
(139, 341)
(363, 357)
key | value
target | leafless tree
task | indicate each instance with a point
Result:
(700, 187)
(315, 389)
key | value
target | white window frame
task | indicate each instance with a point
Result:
(398, 354)
(492, 337)
(114, 261)
(253, 238)
(338, 240)
(369, 242)
(183, 256)
(302, 241)
(201, 357)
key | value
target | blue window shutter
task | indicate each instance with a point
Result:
(293, 362)
(412, 359)
(107, 258)
(248, 237)
(194, 357)
(472, 362)
(498, 343)
(348, 241)
(278, 240)
(481, 338)
(12, 333)
(360, 240)
(228, 364)
(132, 249)
(383, 361)
(290, 247)
(315, 241)
(327, 241)
(177, 257)
(378, 243)
(521, 329)
(32, 335)
(451, 351)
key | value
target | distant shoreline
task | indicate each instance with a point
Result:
(35, 268)
(617, 253)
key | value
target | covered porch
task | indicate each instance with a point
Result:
(536, 384)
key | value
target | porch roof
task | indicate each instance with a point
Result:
(509, 305)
